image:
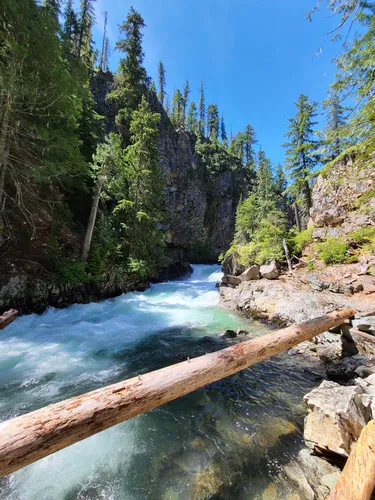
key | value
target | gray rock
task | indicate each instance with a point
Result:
(319, 473)
(251, 273)
(365, 324)
(270, 271)
(230, 280)
(336, 417)
(229, 334)
(296, 475)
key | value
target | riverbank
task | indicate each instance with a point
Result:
(30, 294)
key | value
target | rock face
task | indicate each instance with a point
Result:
(342, 207)
(250, 274)
(200, 204)
(336, 417)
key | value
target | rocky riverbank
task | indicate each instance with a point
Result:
(344, 402)
(28, 294)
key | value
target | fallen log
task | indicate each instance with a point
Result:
(357, 480)
(28, 438)
(7, 318)
(367, 336)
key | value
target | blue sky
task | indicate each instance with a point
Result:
(255, 57)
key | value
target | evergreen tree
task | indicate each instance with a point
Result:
(302, 149)
(167, 106)
(53, 7)
(236, 147)
(185, 94)
(265, 187)
(140, 183)
(249, 140)
(87, 19)
(162, 82)
(213, 122)
(178, 108)
(131, 77)
(103, 56)
(202, 111)
(223, 132)
(70, 30)
(107, 161)
(334, 140)
(192, 118)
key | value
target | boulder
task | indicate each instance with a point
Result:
(229, 334)
(336, 417)
(270, 271)
(230, 280)
(320, 474)
(251, 273)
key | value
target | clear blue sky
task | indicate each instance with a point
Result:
(254, 56)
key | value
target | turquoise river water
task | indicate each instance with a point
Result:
(226, 441)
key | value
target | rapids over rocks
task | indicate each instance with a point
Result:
(228, 440)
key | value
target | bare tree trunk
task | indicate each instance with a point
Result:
(286, 250)
(296, 215)
(28, 438)
(91, 222)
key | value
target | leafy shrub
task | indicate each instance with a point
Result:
(333, 251)
(365, 234)
(141, 267)
(73, 273)
(302, 239)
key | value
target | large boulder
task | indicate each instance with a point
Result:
(365, 324)
(252, 273)
(270, 271)
(336, 417)
(230, 280)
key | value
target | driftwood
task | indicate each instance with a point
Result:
(7, 318)
(28, 438)
(357, 480)
(287, 256)
(367, 336)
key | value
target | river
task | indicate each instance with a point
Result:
(226, 441)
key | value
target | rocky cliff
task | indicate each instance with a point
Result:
(200, 202)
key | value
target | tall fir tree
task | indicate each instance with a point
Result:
(131, 76)
(302, 150)
(223, 132)
(178, 108)
(202, 110)
(335, 131)
(103, 63)
(213, 122)
(162, 82)
(192, 118)
(85, 50)
(185, 95)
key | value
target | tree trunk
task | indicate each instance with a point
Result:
(4, 147)
(286, 250)
(357, 480)
(296, 215)
(28, 438)
(91, 222)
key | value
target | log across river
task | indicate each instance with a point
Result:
(33, 436)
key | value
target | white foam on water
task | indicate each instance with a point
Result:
(61, 353)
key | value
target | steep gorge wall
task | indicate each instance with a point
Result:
(200, 205)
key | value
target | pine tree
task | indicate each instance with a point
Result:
(302, 149)
(192, 118)
(139, 208)
(249, 140)
(223, 132)
(87, 20)
(236, 147)
(103, 62)
(202, 111)
(185, 94)
(131, 77)
(162, 82)
(213, 122)
(177, 108)
(70, 30)
(334, 140)
(265, 187)
(53, 7)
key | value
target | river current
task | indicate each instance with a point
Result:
(226, 441)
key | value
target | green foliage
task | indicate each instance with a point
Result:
(73, 273)
(365, 234)
(162, 82)
(140, 267)
(333, 251)
(302, 239)
(302, 149)
(213, 122)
